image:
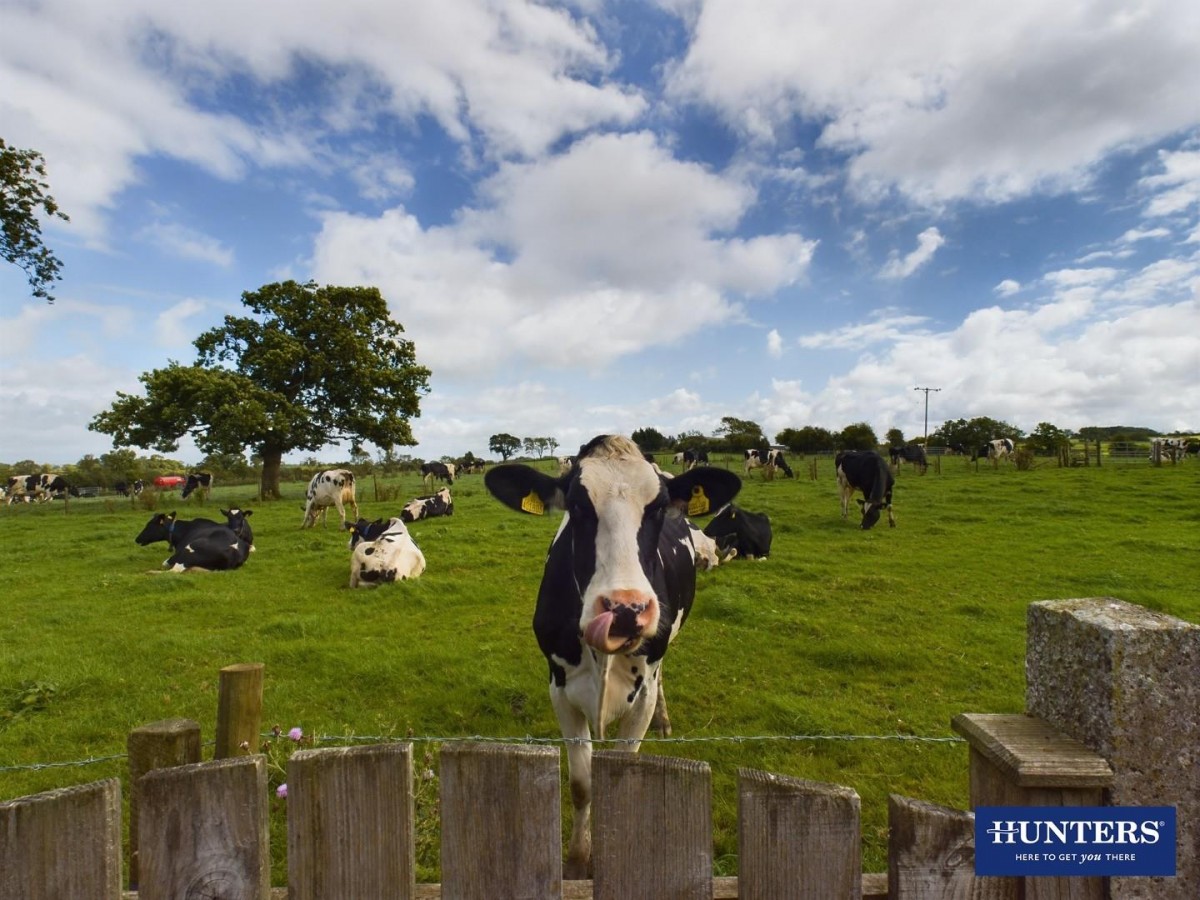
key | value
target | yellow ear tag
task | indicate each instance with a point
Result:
(533, 504)
(699, 503)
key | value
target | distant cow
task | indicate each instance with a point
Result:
(913, 453)
(693, 458)
(431, 471)
(128, 488)
(996, 450)
(439, 504)
(199, 543)
(617, 585)
(329, 487)
(22, 488)
(564, 464)
(868, 472)
(769, 460)
(1173, 449)
(201, 481)
(392, 556)
(747, 533)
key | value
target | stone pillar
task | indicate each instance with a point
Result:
(1125, 681)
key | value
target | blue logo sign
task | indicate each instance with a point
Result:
(1075, 840)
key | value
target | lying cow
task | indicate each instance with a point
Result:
(617, 585)
(747, 534)
(866, 471)
(330, 487)
(200, 543)
(392, 555)
(439, 504)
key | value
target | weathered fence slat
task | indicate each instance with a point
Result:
(931, 855)
(159, 745)
(239, 710)
(350, 823)
(501, 822)
(62, 843)
(204, 831)
(797, 839)
(651, 827)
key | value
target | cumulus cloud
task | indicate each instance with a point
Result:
(1007, 287)
(774, 344)
(928, 242)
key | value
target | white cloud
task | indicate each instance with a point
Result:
(186, 243)
(172, 327)
(774, 344)
(1007, 287)
(928, 242)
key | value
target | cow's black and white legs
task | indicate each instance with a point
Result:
(575, 729)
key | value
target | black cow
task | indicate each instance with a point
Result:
(56, 486)
(618, 583)
(439, 504)
(197, 480)
(749, 533)
(362, 530)
(200, 543)
(913, 453)
(126, 488)
(868, 472)
(431, 471)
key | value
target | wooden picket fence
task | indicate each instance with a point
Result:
(199, 830)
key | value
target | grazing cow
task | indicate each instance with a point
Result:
(1173, 449)
(693, 458)
(329, 487)
(56, 486)
(618, 583)
(201, 481)
(199, 543)
(431, 471)
(913, 453)
(391, 556)
(22, 488)
(127, 488)
(868, 472)
(439, 504)
(1000, 448)
(747, 534)
(768, 460)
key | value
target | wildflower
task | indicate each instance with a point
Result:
(281, 791)
(296, 734)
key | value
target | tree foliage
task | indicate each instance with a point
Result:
(859, 436)
(1047, 439)
(973, 434)
(740, 434)
(22, 193)
(308, 367)
(809, 439)
(650, 440)
(504, 444)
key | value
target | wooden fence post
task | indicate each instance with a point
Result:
(204, 831)
(501, 821)
(632, 792)
(1023, 761)
(364, 797)
(62, 843)
(931, 855)
(239, 710)
(159, 745)
(797, 839)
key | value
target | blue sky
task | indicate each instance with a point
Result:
(598, 216)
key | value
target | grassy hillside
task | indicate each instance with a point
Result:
(842, 634)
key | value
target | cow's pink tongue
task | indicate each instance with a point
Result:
(596, 633)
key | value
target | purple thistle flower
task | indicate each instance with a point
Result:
(281, 791)
(296, 734)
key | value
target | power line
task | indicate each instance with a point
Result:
(925, 442)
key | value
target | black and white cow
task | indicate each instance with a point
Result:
(439, 504)
(431, 471)
(391, 555)
(866, 471)
(707, 552)
(200, 543)
(1173, 449)
(618, 584)
(769, 460)
(197, 481)
(22, 488)
(329, 487)
(912, 453)
(1000, 448)
(693, 458)
(129, 488)
(746, 533)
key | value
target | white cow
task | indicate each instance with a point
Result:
(393, 556)
(706, 552)
(331, 487)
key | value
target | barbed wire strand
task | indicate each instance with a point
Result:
(530, 739)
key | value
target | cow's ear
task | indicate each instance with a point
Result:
(524, 489)
(703, 490)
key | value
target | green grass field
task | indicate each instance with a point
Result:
(841, 633)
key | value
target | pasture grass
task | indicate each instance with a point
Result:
(842, 635)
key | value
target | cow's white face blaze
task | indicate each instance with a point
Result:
(625, 500)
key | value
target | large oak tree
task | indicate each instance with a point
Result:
(22, 194)
(308, 367)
